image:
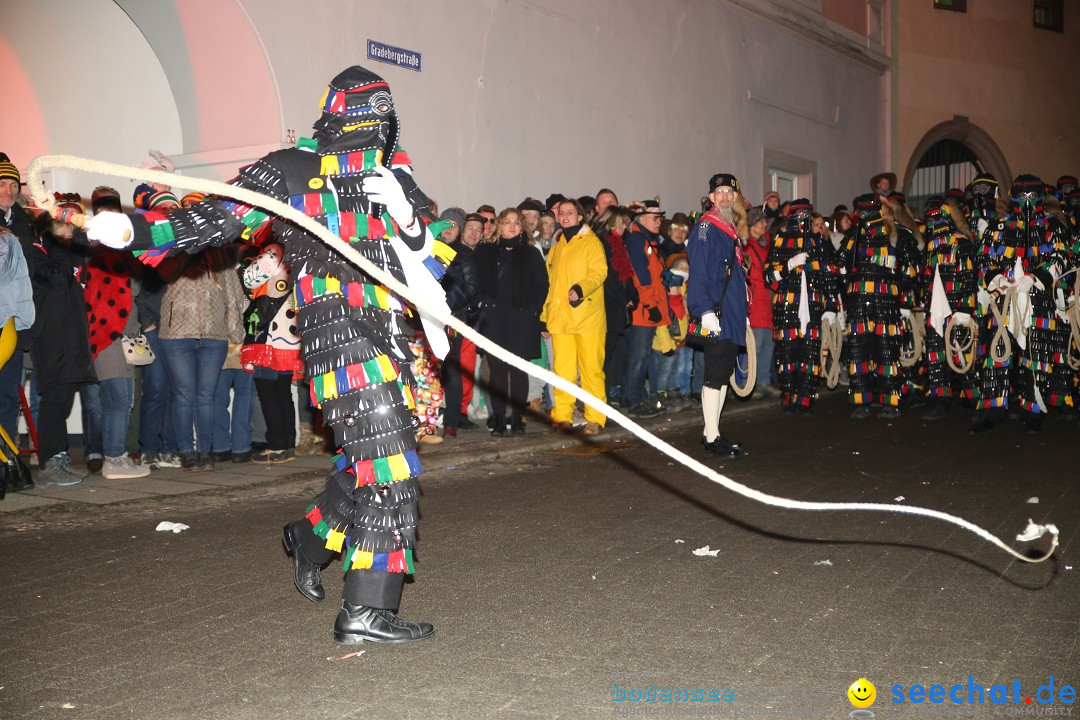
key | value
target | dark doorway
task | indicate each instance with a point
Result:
(946, 164)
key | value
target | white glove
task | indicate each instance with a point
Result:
(796, 261)
(842, 318)
(905, 313)
(981, 226)
(1024, 284)
(383, 188)
(983, 297)
(111, 229)
(710, 323)
(1059, 300)
(828, 317)
(962, 318)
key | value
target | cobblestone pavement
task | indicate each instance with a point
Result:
(560, 576)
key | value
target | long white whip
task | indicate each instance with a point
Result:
(248, 197)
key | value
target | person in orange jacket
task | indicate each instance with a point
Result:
(643, 246)
(574, 314)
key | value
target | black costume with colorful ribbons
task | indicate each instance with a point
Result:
(950, 276)
(353, 339)
(803, 294)
(1021, 257)
(880, 261)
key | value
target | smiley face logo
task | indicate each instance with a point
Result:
(862, 693)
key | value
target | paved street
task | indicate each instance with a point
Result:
(555, 574)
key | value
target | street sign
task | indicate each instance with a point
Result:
(394, 55)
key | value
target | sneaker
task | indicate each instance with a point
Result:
(94, 463)
(122, 468)
(149, 460)
(274, 457)
(889, 412)
(241, 457)
(58, 471)
(192, 462)
(860, 413)
(168, 460)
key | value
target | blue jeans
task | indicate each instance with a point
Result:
(766, 371)
(92, 411)
(155, 408)
(680, 372)
(233, 434)
(638, 351)
(194, 366)
(117, 398)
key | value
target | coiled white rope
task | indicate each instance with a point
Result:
(751, 366)
(284, 211)
(960, 355)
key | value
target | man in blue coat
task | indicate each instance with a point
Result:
(716, 293)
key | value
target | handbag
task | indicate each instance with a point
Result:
(137, 350)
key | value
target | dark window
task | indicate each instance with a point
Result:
(947, 164)
(955, 5)
(1050, 15)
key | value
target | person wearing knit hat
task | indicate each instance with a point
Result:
(163, 201)
(12, 215)
(140, 198)
(192, 199)
(105, 199)
(456, 216)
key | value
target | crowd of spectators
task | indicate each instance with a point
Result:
(589, 287)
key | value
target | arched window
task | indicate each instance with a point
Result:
(950, 155)
(946, 164)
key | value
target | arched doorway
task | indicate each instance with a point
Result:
(950, 155)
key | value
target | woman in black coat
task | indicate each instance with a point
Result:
(513, 287)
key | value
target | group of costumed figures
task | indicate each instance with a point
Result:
(979, 304)
(354, 179)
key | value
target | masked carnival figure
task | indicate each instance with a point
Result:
(353, 179)
(880, 262)
(800, 266)
(950, 276)
(1023, 339)
(981, 204)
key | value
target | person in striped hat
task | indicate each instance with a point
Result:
(353, 178)
(12, 215)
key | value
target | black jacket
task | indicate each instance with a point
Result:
(513, 287)
(462, 284)
(59, 340)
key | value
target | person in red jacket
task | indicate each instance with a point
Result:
(761, 319)
(643, 246)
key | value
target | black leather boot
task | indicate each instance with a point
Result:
(305, 573)
(357, 623)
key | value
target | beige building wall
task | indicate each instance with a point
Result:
(992, 65)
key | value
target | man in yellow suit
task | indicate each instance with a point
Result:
(574, 314)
